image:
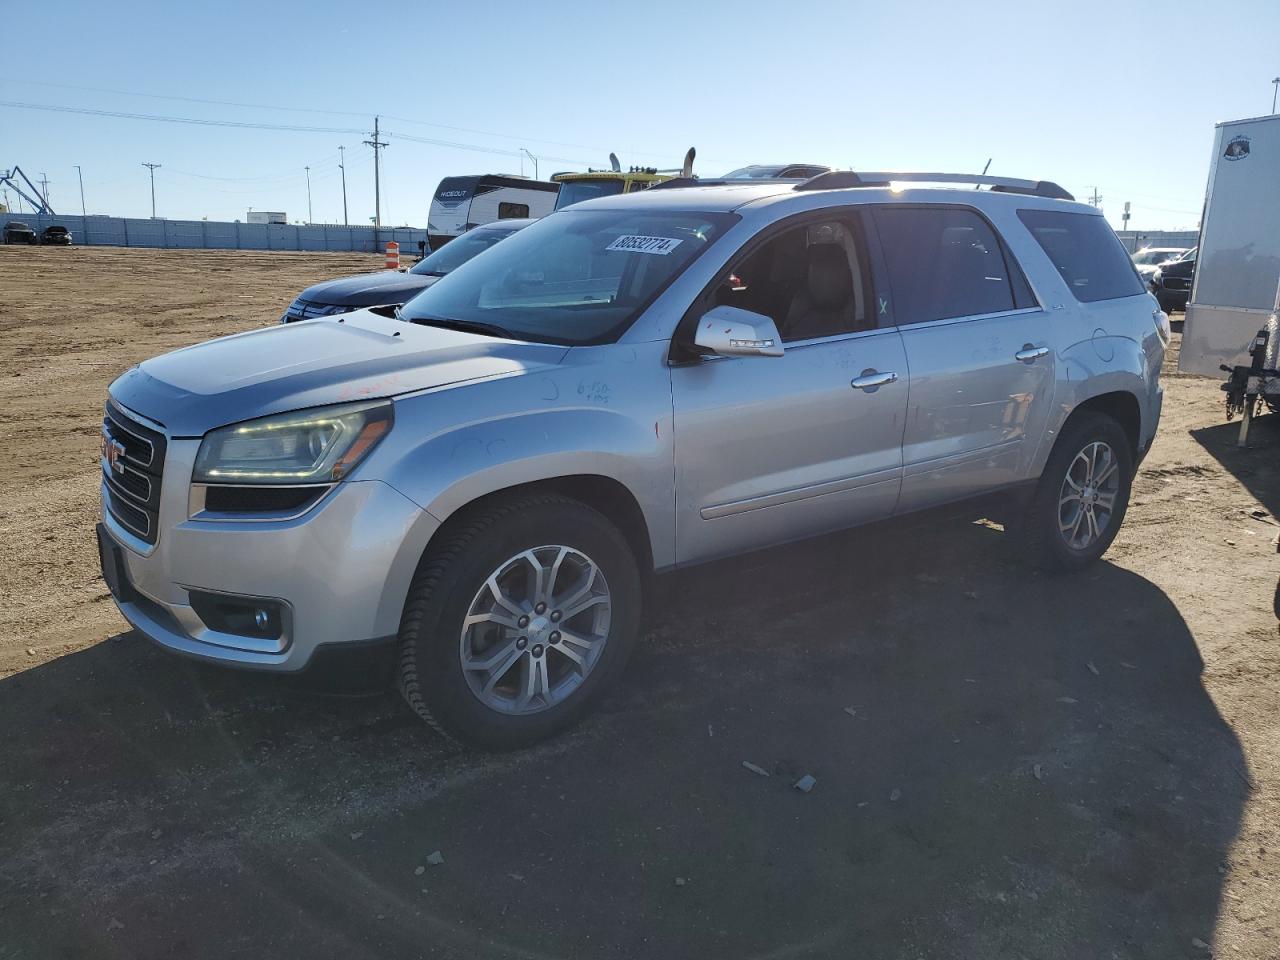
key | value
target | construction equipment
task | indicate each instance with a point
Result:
(15, 178)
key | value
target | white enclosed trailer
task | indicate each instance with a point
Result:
(461, 203)
(1237, 276)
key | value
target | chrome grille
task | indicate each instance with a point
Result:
(132, 466)
(307, 310)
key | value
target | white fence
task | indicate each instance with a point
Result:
(1137, 239)
(220, 235)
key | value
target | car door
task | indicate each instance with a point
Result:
(977, 346)
(771, 449)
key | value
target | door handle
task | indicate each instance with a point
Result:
(871, 379)
(1029, 353)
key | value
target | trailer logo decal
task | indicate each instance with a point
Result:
(1237, 148)
(656, 245)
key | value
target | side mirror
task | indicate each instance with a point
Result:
(733, 332)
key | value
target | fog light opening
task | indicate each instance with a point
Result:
(240, 616)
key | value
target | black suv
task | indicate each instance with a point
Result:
(15, 231)
(1171, 283)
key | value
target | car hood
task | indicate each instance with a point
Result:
(368, 289)
(293, 366)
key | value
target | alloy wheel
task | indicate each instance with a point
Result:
(1087, 500)
(535, 629)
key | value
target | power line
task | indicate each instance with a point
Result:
(244, 124)
(124, 115)
(333, 113)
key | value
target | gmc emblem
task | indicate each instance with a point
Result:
(113, 453)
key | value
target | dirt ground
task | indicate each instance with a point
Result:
(1034, 767)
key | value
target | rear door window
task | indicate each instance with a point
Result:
(1089, 256)
(944, 263)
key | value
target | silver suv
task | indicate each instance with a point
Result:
(481, 482)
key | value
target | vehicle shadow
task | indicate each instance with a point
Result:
(1257, 467)
(1007, 764)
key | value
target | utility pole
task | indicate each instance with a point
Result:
(342, 166)
(152, 168)
(534, 159)
(308, 169)
(1275, 88)
(1096, 199)
(377, 183)
(81, 176)
(44, 189)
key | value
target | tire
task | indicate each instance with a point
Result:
(1050, 538)
(500, 543)
(1271, 359)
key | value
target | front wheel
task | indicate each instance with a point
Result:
(1082, 496)
(517, 620)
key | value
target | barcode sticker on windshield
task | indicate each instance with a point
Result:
(659, 245)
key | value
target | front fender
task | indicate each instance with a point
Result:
(467, 446)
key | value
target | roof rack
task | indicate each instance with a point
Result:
(676, 182)
(844, 179)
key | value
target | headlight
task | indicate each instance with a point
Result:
(321, 445)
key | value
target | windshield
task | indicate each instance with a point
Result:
(575, 278)
(458, 251)
(575, 191)
(755, 172)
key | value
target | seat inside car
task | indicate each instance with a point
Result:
(824, 306)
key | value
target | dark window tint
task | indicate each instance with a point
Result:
(512, 211)
(942, 263)
(1086, 252)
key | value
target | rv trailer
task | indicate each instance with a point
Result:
(461, 203)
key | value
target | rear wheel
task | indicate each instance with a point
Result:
(518, 620)
(1082, 496)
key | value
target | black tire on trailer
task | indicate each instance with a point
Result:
(1271, 361)
(1081, 498)
(497, 655)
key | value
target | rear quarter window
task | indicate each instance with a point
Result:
(1086, 252)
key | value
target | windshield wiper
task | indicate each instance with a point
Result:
(465, 326)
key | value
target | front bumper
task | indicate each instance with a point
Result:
(342, 570)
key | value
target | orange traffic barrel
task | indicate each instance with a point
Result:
(393, 255)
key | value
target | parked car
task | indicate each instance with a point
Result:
(777, 171)
(635, 384)
(56, 236)
(1147, 259)
(15, 231)
(392, 287)
(1171, 282)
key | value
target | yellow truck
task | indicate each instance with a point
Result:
(576, 187)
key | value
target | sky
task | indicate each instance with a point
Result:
(1112, 96)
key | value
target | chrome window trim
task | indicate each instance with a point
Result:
(947, 321)
(836, 338)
